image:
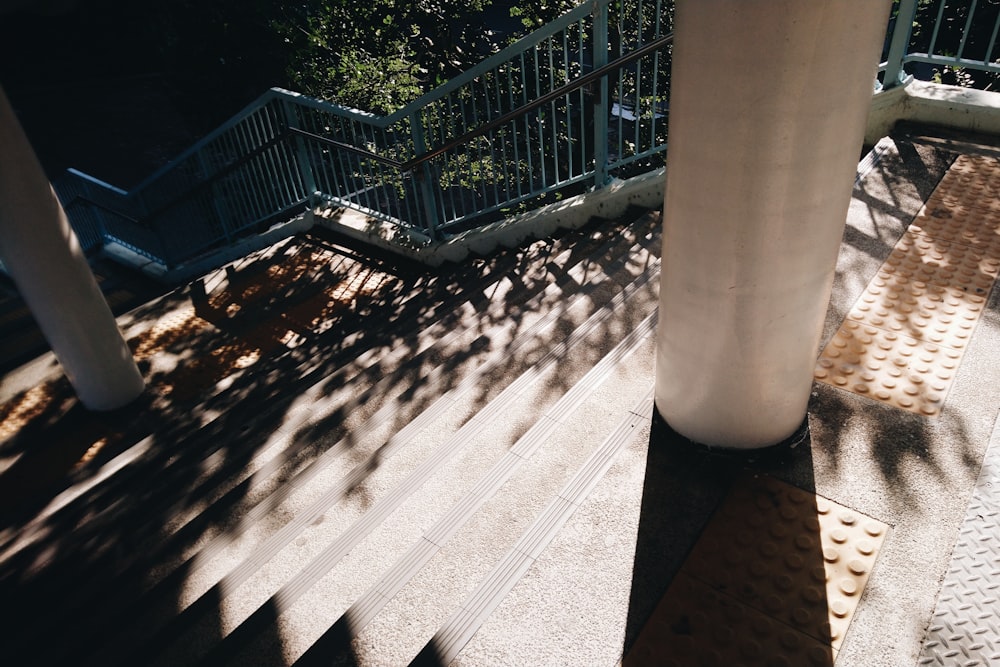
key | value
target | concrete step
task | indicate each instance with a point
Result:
(345, 505)
(372, 413)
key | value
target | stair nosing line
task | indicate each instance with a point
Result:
(96, 481)
(326, 560)
(329, 557)
(125, 457)
(555, 516)
(617, 439)
(533, 540)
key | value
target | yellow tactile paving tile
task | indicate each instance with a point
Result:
(774, 579)
(696, 626)
(972, 180)
(26, 406)
(903, 340)
(957, 223)
(888, 367)
(920, 258)
(929, 312)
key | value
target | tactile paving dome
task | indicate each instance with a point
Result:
(772, 552)
(903, 340)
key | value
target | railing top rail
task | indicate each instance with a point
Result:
(952, 61)
(96, 181)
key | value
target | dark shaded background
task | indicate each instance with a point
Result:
(117, 88)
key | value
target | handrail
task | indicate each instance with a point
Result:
(496, 123)
(83, 199)
(363, 152)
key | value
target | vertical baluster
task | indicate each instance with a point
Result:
(447, 187)
(391, 175)
(620, 95)
(374, 168)
(492, 139)
(513, 130)
(568, 105)
(258, 171)
(254, 200)
(291, 187)
(582, 95)
(987, 57)
(503, 132)
(303, 154)
(637, 100)
(364, 166)
(528, 150)
(217, 204)
(367, 177)
(320, 166)
(339, 174)
(480, 141)
(899, 44)
(324, 159)
(481, 185)
(600, 41)
(459, 170)
(261, 170)
(539, 114)
(358, 191)
(967, 29)
(279, 155)
(406, 185)
(557, 141)
(426, 182)
(232, 185)
(238, 198)
(937, 26)
(391, 183)
(655, 92)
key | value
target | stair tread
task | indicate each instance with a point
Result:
(373, 517)
(310, 421)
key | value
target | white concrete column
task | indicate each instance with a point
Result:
(769, 100)
(43, 256)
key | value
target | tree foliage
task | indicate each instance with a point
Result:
(381, 54)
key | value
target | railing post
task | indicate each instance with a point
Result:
(895, 75)
(424, 177)
(601, 106)
(301, 152)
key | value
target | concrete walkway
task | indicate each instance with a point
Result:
(343, 461)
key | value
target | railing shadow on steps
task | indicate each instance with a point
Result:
(189, 450)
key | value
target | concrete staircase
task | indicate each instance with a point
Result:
(443, 475)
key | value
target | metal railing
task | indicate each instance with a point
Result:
(567, 108)
(928, 35)
(562, 110)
